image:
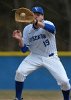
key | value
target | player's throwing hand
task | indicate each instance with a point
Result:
(17, 35)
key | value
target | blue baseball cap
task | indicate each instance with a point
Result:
(38, 10)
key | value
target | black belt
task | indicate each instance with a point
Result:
(51, 54)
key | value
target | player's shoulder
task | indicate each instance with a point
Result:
(48, 22)
(28, 26)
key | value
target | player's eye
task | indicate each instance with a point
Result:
(37, 14)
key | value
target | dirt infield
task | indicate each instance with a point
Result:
(32, 95)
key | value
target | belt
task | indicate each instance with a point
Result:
(51, 54)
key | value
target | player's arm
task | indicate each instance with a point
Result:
(18, 36)
(47, 26)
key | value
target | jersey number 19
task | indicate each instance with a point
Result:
(46, 42)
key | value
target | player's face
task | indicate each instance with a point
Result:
(38, 16)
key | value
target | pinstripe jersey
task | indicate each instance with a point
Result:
(39, 41)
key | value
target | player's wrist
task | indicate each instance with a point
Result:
(21, 42)
(36, 22)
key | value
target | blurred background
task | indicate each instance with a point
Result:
(57, 11)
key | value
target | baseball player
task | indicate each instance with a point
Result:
(39, 39)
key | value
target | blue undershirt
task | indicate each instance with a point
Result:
(24, 48)
(49, 28)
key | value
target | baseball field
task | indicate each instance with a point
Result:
(32, 95)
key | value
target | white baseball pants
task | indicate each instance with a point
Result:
(53, 64)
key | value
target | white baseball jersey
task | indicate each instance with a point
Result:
(39, 41)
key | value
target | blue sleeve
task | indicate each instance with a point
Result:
(50, 28)
(24, 49)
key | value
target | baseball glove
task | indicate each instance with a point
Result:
(24, 15)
